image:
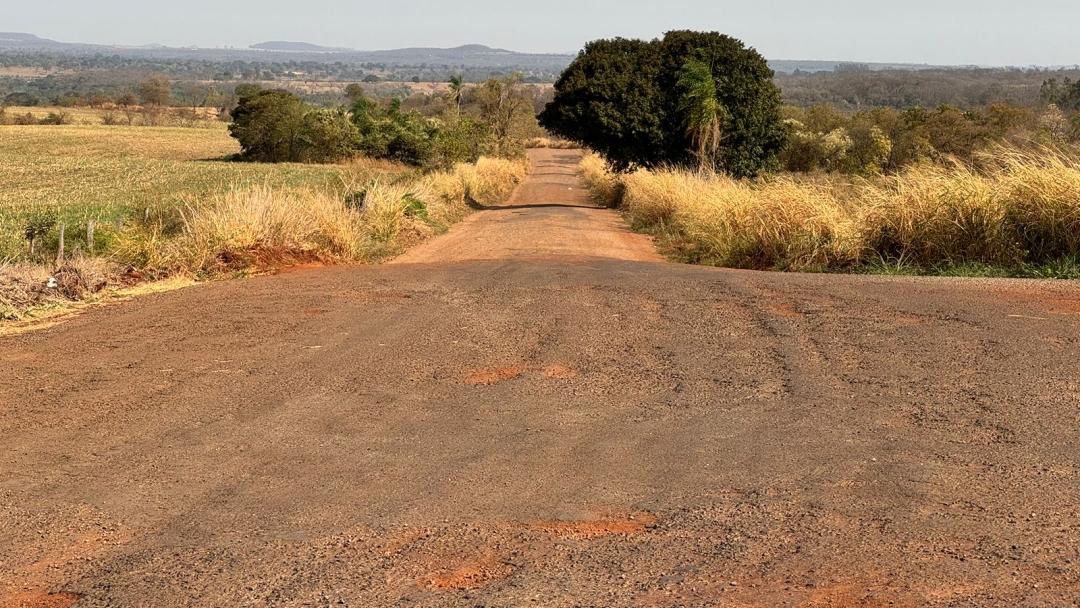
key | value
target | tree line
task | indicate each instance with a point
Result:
(493, 118)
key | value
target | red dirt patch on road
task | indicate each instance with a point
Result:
(493, 375)
(1052, 304)
(784, 309)
(39, 599)
(471, 575)
(633, 523)
(560, 372)
(299, 267)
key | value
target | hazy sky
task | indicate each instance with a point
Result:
(991, 32)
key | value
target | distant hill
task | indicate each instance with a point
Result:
(466, 56)
(20, 41)
(17, 37)
(302, 47)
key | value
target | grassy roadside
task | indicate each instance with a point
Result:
(138, 205)
(1018, 215)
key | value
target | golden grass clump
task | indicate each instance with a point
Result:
(551, 142)
(604, 185)
(423, 207)
(1042, 194)
(781, 224)
(932, 214)
(1018, 208)
(265, 227)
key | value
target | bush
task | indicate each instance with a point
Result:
(391, 133)
(275, 126)
(622, 98)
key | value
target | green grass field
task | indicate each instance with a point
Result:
(111, 173)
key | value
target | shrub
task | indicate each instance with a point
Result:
(622, 98)
(275, 126)
(392, 133)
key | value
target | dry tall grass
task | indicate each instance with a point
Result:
(1019, 208)
(551, 142)
(605, 186)
(263, 227)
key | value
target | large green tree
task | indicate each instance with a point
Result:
(628, 100)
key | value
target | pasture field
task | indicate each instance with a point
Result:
(112, 173)
(110, 113)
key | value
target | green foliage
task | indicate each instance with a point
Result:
(268, 124)
(883, 140)
(501, 118)
(37, 225)
(20, 98)
(275, 126)
(389, 132)
(507, 110)
(622, 98)
(460, 138)
(354, 92)
(1064, 94)
(703, 115)
(327, 136)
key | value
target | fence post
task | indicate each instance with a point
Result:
(60, 253)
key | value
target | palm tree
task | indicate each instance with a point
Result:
(704, 115)
(456, 86)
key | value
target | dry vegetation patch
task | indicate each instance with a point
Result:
(152, 203)
(1017, 210)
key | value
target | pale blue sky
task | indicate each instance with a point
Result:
(990, 32)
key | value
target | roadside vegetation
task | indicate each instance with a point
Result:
(87, 207)
(1018, 214)
(692, 143)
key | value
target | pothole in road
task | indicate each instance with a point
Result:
(784, 309)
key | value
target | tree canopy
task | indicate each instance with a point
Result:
(275, 126)
(628, 100)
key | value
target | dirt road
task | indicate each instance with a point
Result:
(564, 431)
(550, 216)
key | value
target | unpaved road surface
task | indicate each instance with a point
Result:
(565, 431)
(549, 216)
